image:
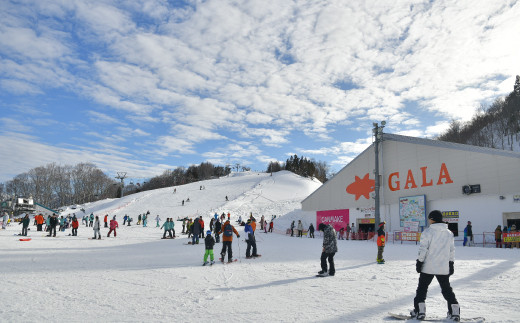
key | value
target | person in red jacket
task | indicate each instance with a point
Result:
(381, 235)
(113, 226)
(106, 220)
(75, 225)
(227, 240)
(39, 222)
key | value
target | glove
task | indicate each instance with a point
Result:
(452, 270)
(238, 236)
(418, 266)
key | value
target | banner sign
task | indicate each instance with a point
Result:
(411, 226)
(450, 216)
(511, 237)
(337, 218)
(367, 221)
(412, 208)
(407, 236)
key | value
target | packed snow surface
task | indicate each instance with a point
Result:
(137, 277)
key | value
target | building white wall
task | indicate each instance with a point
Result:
(497, 172)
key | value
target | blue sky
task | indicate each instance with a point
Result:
(145, 86)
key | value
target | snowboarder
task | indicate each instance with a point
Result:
(271, 225)
(436, 259)
(218, 227)
(498, 236)
(330, 247)
(227, 240)
(25, 224)
(113, 226)
(195, 231)
(124, 219)
(91, 219)
(75, 225)
(300, 229)
(250, 240)
(139, 219)
(381, 235)
(53, 222)
(158, 220)
(209, 242)
(145, 220)
(167, 228)
(349, 229)
(468, 235)
(105, 220)
(311, 231)
(96, 229)
(292, 229)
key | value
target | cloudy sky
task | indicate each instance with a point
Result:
(147, 85)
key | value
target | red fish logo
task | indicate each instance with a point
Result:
(362, 187)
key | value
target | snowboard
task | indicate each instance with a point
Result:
(25, 239)
(434, 318)
(94, 239)
(227, 262)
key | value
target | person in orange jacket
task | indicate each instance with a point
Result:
(227, 240)
(381, 235)
(106, 220)
(39, 222)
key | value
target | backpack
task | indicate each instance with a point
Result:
(228, 230)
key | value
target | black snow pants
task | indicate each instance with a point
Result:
(422, 290)
(330, 257)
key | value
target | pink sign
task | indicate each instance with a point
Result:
(337, 218)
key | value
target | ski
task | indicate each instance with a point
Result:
(434, 318)
(25, 239)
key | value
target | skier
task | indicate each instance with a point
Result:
(96, 229)
(158, 219)
(209, 242)
(250, 240)
(330, 248)
(227, 240)
(113, 226)
(381, 235)
(436, 259)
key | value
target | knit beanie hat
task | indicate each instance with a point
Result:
(435, 216)
(321, 227)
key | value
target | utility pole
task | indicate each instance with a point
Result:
(378, 135)
(121, 176)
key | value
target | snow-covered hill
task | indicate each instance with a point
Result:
(137, 277)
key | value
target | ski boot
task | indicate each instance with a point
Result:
(205, 263)
(212, 262)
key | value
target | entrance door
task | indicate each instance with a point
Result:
(511, 218)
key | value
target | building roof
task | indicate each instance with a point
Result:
(433, 143)
(450, 145)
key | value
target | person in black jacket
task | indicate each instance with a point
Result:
(53, 222)
(25, 224)
(209, 242)
(218, 227)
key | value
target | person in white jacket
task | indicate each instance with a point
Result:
(436, 259)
